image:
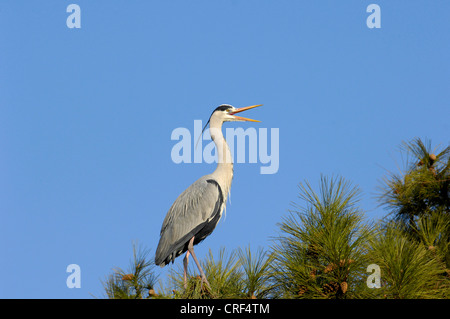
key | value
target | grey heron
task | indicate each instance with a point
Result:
(195, 213)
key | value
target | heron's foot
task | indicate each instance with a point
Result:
(204, 284)
(204, 280)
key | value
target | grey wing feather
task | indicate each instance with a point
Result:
(192, 210)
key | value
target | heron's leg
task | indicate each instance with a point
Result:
(185, 263)
(191, 250)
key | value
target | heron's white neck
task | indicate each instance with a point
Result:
(224, 171)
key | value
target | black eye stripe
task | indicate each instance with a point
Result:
(223, 107)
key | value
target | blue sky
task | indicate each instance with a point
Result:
(86, 117)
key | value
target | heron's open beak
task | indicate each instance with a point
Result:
(242, 109)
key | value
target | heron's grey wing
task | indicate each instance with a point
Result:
(194, 213)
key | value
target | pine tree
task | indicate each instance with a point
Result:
(238, 274)
(257, 272)
(409, 269)
(423, 188)
(136, 283)
(419, 205)
(322, 249)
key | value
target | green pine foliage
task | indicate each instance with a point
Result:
(433, 231)
(409, 270)
(222, 273)
(422, 188)
(419, 205)
(256, 273)
(239, 274)
(137, 282)
(322, 251)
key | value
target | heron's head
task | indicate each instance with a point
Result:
(226, 113)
